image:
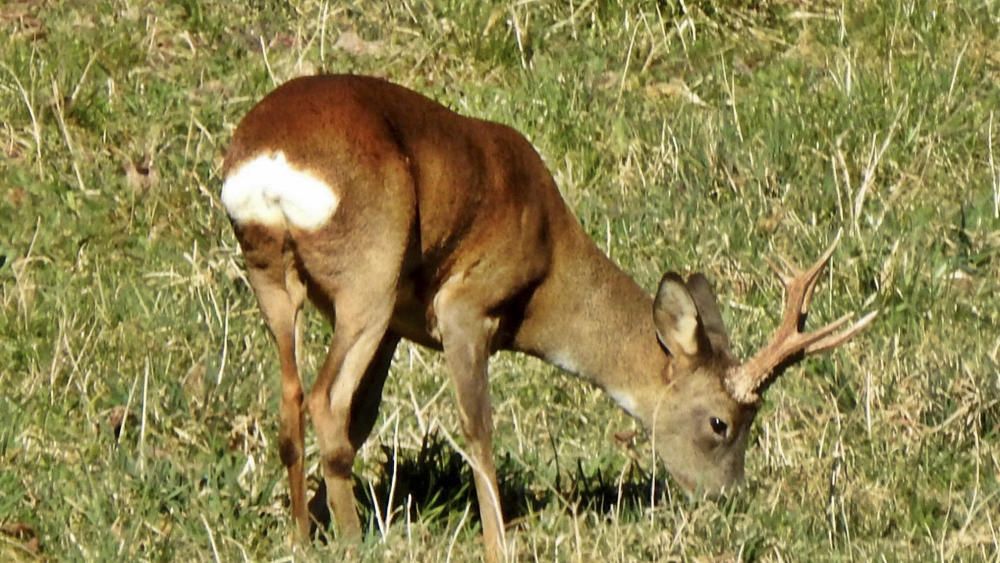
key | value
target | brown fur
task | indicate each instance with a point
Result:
(451, 232)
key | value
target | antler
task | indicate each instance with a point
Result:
(789, 344)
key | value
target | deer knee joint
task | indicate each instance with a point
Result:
(339, 462)
(289, 450)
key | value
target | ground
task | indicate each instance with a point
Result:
(138, 385)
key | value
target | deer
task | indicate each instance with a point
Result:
(401, 219)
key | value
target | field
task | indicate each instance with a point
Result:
(138, 384)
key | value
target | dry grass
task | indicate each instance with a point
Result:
(137, 413)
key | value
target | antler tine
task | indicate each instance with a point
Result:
(789, 340)
(811, 276)
(799, 288)
(782, 270)
(832, 341)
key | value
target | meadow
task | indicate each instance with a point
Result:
(138, 384)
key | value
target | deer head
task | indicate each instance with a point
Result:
(701, 421)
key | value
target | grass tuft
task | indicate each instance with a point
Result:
(139, 389)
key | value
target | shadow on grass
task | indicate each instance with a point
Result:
(437, 484)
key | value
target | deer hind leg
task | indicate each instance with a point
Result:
(355, 368)
(366, 401)
(465, 331)
(354, 265)
(280, 295)
(364, 411)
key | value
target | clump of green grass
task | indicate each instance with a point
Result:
(137, 413)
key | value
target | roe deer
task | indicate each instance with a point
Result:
(402, 219)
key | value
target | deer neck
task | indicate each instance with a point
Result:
(591, 319)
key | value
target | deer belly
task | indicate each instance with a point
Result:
(409, 319)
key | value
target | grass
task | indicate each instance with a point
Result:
(138, 387)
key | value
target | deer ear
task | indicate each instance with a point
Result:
(708, 312)
(676, 318)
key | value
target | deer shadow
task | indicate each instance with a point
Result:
(437, 483)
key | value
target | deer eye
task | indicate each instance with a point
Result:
(718, 426)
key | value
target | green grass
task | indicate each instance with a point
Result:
(138, 385)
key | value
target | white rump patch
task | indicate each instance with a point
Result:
(269, 190)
